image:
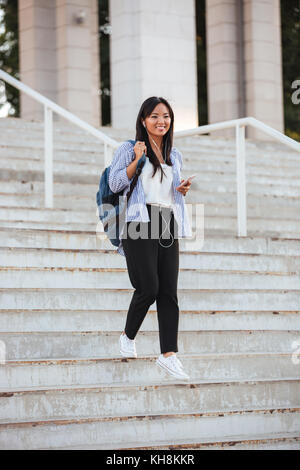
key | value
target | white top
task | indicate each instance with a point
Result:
(157, 192)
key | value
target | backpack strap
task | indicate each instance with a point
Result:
(138, 171)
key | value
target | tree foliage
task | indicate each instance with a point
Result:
(9, 53)
(290, 21)
(201, 62)
(104, 38)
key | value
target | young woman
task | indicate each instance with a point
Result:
(156, 217)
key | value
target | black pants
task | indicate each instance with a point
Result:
(153, 265)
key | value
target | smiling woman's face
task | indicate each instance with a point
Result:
(159, 121)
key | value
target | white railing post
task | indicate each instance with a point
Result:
(241, 180)
(48, 155)
(108, 154)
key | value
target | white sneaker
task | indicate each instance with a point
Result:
(172, 365)
(127, 346)
(180, 363)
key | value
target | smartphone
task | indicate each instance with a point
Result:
(188, 180)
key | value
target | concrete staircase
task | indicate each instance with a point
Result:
(64, 294)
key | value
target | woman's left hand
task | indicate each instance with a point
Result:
(183, 189)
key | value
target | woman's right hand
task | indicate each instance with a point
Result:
(139, 148)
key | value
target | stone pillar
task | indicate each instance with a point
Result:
(223, 62)
(244, 66)
(78, 58)
(264, 87)
(153, 53)
(37, 53)
(59, 57)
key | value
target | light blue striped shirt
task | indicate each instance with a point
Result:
(136, 208)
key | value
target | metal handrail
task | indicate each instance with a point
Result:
(110, 144)
(239, 125)
(49, 108)
(242, 122)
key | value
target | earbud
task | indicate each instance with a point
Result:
(144, 124)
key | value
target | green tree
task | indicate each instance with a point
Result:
(104, 38)
(201, 62)
(9, 53)
(290, 21)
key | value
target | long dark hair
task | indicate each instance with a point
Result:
(142, 134)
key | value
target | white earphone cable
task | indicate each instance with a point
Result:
(167, 224)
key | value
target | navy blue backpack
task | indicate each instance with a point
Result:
(110, 217)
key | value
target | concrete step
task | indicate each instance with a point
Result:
(88, 344)
(8, 174)
(60, 189)
(209, 367)
(282, 228)
(260, 158)
(204, 299)
(86, 142)
(106, 278)
(60, 136)
(201, 166)
(140, 431)
(204, 144)
(63, 216)
(28, 140)
(60, 156)
(203, 158)
(220, 213)
(261, 210)
(226, 146)
(82, 190)
(65, 130)
(19, 164)
(279, 443)
(74, 202)
(39, 219)
(92, 227)
(63, 126)
(218, 177)
(73, 402)
(105, 259)
(47, 215)
(22, 156)
(261, 153)
(81, 203)
(213, 242)
(255, 202)
(205, 170)
(69, 320)
(70, 172)
(60, 125)
(20, 213)
(214, 203)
